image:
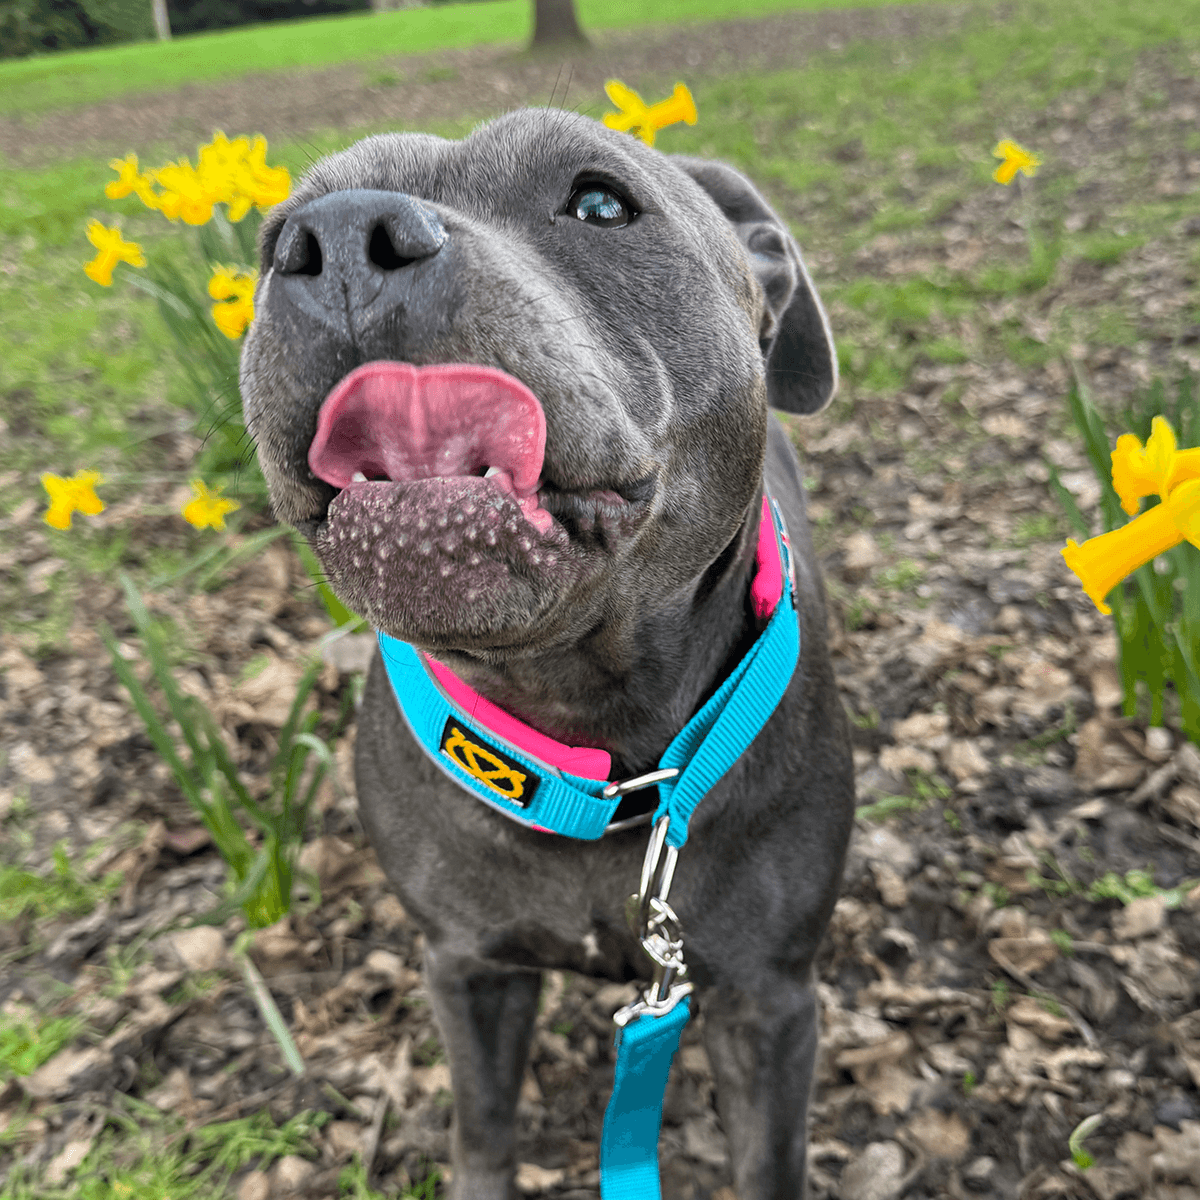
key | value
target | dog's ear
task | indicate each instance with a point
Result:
(797, 345)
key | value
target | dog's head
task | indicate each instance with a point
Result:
(493, 381)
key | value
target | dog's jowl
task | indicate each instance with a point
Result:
(514, 390)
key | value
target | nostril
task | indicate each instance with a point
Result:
(298, 252)
(312, 256)
(382, 253)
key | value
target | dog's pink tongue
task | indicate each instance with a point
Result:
(392, 420)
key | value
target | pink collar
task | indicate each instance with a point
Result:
(586, 761)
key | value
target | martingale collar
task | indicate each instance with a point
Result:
(556, 788)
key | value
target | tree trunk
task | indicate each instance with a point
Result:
(555, 24)
(162, 22)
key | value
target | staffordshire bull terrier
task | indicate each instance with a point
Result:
(514, 391)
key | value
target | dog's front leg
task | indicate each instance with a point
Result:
(486, 1018)
(762, 1045)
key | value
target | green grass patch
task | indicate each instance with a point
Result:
(945, 350)
(70, 79)
(353, 1185)
(63, 892)
(1111, 326)
(924, 790)
(143, 1154)
(902, 576)
(27, 1042)
(1025, 351)
(1136, 884)
(1108, 248)
(906, 304)
(1040, 527)
(890, 806)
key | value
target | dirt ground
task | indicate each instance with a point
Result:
(979, 1003)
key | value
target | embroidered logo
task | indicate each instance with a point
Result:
(489, 765)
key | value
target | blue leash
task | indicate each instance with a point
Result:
(629, 1144)
(511, 779)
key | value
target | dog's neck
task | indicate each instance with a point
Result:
(657, 667)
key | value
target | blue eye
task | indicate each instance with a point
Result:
(596, 205)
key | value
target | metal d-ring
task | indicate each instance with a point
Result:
(623, 787)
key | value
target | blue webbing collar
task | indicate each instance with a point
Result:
(536, 793)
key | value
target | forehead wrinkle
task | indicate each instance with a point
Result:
(580, 145)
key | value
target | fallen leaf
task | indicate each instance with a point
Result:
(1027, 954)
(942, 1135)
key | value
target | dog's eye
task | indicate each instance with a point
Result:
(597, 205)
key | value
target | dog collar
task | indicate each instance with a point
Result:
(555, 788)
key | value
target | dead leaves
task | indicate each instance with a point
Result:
(1168, 1157)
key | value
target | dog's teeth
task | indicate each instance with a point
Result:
(358, 477)
(490, 472)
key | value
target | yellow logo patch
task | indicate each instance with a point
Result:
(488, 764)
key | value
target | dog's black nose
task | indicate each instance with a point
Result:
(343, 252)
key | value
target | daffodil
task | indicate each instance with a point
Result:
(131, 179)
(1015, 159)
(112, 248)
(264, 185)
(1154, 469)
(186, 194)
(234, 173)
(207, 508)
(1138, 471)
(642, 119)
(235, 290)
(230, 172)
(67, 496)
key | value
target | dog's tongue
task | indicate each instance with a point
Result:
(392, 420)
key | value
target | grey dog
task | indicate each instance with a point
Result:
(655, 306)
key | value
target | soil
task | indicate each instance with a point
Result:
(981, 999)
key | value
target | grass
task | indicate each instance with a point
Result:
(1137, 884)
(64, 892)
(34, 85)
(353, 1185)
(890, 806)
(143, 1154)
(27, 1042)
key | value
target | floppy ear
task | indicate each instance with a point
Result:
(797, 345)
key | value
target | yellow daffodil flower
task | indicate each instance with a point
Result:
(67, 496)
(187, 195)
(235, 289)
(266, 186)
(1015, 159)
(1154, 469)
(207, 508)
(112, 248)
(1157, 468)
(642, 119)
(130, 179)
(230, 172)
